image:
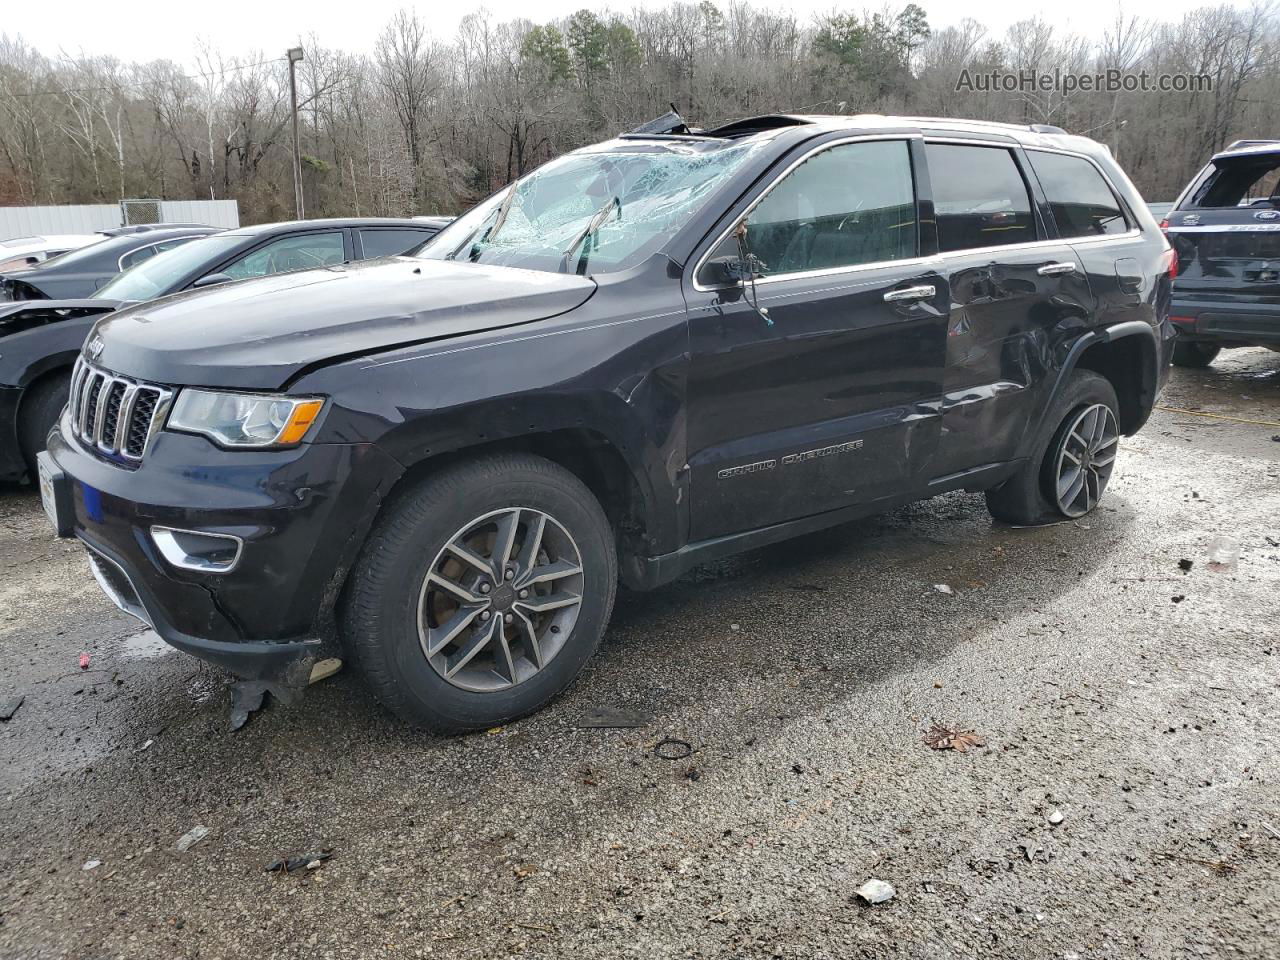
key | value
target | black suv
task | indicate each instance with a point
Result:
(645, 355)
(1225, 229)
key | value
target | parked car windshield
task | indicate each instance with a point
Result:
(157, 276)
(592, 211)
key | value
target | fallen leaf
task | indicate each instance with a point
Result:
(944, 738)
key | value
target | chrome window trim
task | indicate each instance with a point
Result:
(904, 138)
(145, 246)
(1131, 234)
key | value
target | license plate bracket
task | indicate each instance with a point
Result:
(55, 494)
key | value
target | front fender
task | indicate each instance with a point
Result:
(621, 381)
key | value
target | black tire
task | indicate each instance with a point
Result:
(1024, 499)
(1196, 355)
(38, 414)
(381, 610)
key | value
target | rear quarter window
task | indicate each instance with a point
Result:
(1083, 204)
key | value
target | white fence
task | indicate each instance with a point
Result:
(87, 218)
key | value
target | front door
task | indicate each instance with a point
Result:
(818, 386)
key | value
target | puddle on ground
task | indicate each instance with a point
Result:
(144, 646)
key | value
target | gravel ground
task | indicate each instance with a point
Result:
(1137, 701)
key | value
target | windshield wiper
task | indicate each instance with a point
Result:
(498, 221)
(589, 231)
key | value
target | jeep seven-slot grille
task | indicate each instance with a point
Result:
(114, 415)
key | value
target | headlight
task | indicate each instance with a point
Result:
(244, 419)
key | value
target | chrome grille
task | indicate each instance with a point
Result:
(115, 415)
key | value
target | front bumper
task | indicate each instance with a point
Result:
(1226, 322)
(301, 515)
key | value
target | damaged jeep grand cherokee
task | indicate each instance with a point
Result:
(645, 355)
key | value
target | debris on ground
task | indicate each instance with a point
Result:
(91, 865)
(1056, 818)
(1178, 598)
(9, 707)
(612, 718)
(1220, 867)
(84, 661)
(191, 838)
(307, 861)
(876, 891)
(494, 731)
(324, 669)
(944, 738)
(1185, 565)
(1224, 554)
(734, 627)
(944, 588)
(693, 774)
(525, 871)
(669, 748)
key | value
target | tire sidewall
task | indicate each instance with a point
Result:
(450, 507)
(1085, 390)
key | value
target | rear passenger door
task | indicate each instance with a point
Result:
(1091, 217)
(1015, 295)
(818, 387)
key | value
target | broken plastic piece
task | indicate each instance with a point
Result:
(307, 861)
(191, 838)
(876, 891)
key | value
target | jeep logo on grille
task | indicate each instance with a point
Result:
(95, 347)
(1267, 215)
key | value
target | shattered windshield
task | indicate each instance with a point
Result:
(592, 212)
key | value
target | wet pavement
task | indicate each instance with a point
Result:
(1138, 701)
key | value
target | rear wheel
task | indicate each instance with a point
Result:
(1071, 465)
(482, 593)
(41, 407)
(1197, 355)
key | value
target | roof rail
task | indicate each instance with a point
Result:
(1045, 128)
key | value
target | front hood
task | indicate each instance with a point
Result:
(258, 334)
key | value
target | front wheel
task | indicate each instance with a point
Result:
(41, 407)
(1194, 355)
(1071, 465)
(482, 593)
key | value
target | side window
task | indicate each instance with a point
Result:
(392, 243)
(289, 253)
(979, 197)
(137, 256)
(849, 205)
(1082, 203)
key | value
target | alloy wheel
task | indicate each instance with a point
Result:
(500, 599)
(1086, 457)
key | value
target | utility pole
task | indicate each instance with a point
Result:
(295, 54)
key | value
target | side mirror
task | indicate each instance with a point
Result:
(726, 271)
(212, 280)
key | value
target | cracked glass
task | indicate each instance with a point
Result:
(592, 212)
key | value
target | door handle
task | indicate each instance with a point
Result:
(925, 292)
(1056, 269)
